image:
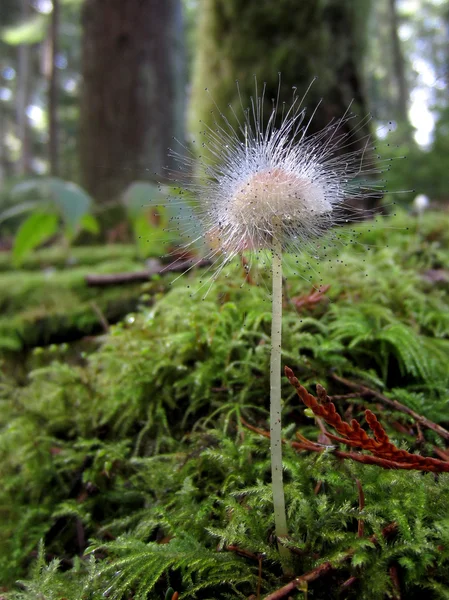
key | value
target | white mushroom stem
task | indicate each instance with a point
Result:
(275, 397)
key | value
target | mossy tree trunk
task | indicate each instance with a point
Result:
(133, 89)
(302, 40)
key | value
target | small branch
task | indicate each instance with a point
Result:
(393, 571)
(157, 268)
(444, 433)
(361, 523)
(309, 300)
(384, 453)
(299, 583)
(97, 310)
(242, 552)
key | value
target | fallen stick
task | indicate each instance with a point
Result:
(154, 268)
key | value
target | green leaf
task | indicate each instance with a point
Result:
(37, 228)
(144, 231)
(28, 187)
(89, 223)
(31, 31)
(72, 202)
(69, 200)
(18, 209)
(139, 196)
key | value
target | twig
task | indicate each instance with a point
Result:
(309, 300)
(259, 557)
(157, 268)
(361, 522)
(104, 322)
(444, 433)
(242, 552)
(300, 582)
(393, 571)
(346, 584)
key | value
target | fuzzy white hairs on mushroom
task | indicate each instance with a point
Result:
(255, 186)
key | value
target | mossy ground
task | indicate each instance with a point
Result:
(48, 301)
(132, 468)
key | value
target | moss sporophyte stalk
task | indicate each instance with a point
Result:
(265, 187)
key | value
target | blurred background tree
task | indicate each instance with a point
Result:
(93, 91)
(240, 40)
(132, 100)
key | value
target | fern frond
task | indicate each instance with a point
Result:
(137, 567)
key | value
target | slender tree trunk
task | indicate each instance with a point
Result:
(53, 146)
(133, 90)
(399, 68)
(2, 145)
(22, 98)
(446, 24)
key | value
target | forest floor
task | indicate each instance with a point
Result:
(134, 459)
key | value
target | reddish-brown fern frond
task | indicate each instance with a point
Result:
(385, 453)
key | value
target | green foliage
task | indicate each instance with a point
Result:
(138, 566)
(30, 31)
(51, 199)
(132, 466)
(57, 257)
(37, 229)
(419, 170)
(150, 214)
(47, 305)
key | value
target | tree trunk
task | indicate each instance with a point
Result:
(302, 40)
(53, 92)
(133, 88)
(399, 71)
(446, 26)
(22, 98)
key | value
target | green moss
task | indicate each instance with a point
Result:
(139, 447)
(58, 257)
(56, 305)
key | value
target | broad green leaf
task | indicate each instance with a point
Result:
(34, 186)
(143, 233)
(18, 209)
(72, 202)
(140, 195)
(37, 228)
(89, 223)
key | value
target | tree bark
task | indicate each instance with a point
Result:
(53, 146)
(446, 26)
(22, 98)
(302, 40)
(133, 89)
(399, 67)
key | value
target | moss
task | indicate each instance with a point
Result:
(139, 447)
(57, 257)
(50, 305)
